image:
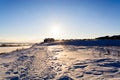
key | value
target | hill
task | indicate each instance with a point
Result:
(115, 37)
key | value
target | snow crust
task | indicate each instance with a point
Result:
(61, 62)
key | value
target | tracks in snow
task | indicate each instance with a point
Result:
(59, 63)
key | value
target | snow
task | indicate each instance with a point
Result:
(61, 62)
(9, 49)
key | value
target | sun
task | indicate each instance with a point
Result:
(55, 31)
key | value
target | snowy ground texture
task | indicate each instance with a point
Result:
(61, 62)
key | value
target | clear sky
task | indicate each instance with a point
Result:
(34, 20)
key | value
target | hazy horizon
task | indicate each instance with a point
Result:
(34, 20)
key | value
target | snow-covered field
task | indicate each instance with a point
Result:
(61, 62)
(9, 49)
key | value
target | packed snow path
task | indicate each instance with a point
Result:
(61, 62)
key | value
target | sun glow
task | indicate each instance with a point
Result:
(55, 32)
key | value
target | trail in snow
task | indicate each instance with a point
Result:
(61, 62)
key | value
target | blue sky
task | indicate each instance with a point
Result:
(34, 20)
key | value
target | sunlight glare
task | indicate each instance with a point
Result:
(55, 31)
